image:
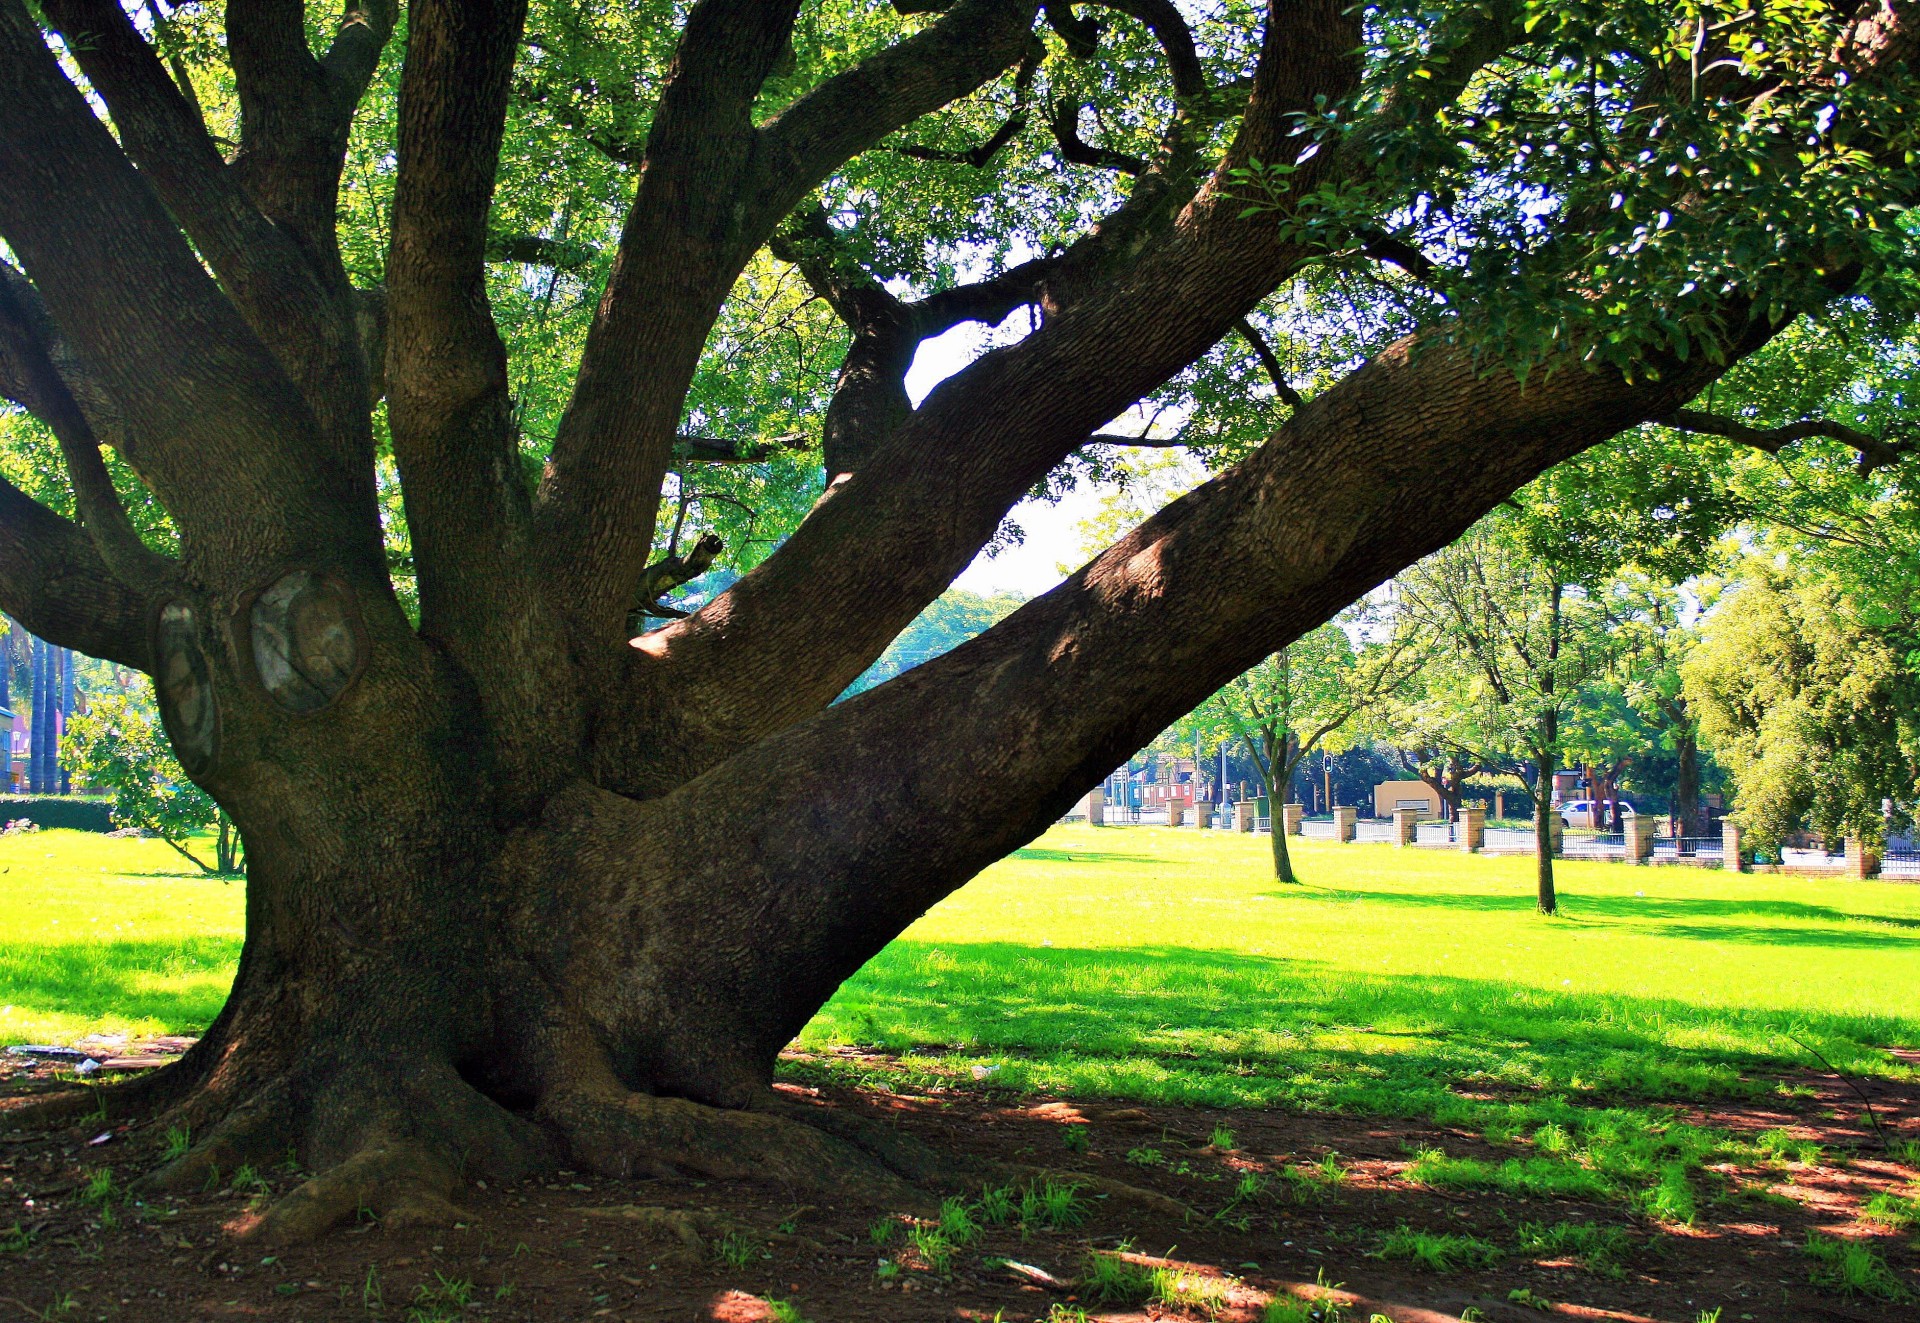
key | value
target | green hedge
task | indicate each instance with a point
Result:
(58, 811)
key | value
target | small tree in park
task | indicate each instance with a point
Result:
(117, 744)
(1521, 642)
(1301, 697)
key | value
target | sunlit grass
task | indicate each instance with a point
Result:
(102, 935)
(1167, 966)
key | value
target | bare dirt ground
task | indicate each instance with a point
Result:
(580, 1247)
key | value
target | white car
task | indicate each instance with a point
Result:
(1577, 812)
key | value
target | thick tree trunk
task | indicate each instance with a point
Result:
(523, 894)
(1686, 781)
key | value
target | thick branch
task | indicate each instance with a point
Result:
(1875, 452)
(53, 581)
(891, 538)
(1047, 702)
(200, 392)
(290, 303)
(713, 191)
(448, 397)
(296, 111)
(29, 378)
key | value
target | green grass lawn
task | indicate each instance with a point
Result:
(110, 936)
(1167, 966)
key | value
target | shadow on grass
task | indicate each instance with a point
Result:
(1048, 855)
(1180, 1025)
(180, 983)
(1654, 912)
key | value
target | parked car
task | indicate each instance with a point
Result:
(1577, 812)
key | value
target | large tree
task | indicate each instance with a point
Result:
(525, 890)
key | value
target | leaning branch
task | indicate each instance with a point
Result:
(732, 450)
(1270, 361)
(53, 581)
(1875, 452)
(29, 378)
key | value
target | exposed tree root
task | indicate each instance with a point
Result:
(401, 1182)
(624, 1134)
(689, 1233)
(49, 1111)
(1118, 1191)
(902, 1154)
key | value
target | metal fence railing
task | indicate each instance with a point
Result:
(1900, 861)
(1594, 845)
(1688, 847)
(1507, 840)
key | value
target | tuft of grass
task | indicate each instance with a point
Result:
(178, 1142)
(1781, 1146)
(1532, 1299)
(1599, 1249)
(883, 1230)
(1292, 1309)
(1051, 1205)
(996, 1205)
(1437, 1251)
(934, 1249)
(1145, 1156)
(958, 1222)
(1553, 1178)
(1177, 1288)
(736, 1249)
(1899, 1211)
(442, 1301)
(1109, 1278)
(100, 1190)
(1075, 1138)
(16, 1239)
(785, 1311)
(1671, 1198)
(1852, 1268)
(1222, 1139)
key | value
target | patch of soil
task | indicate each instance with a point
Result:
(581, 1247)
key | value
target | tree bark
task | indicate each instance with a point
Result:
(521, 894)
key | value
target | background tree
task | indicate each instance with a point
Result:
(1523, 643)
(367, 375)
(117, 745)
(1811, 699)
(1300, 698)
